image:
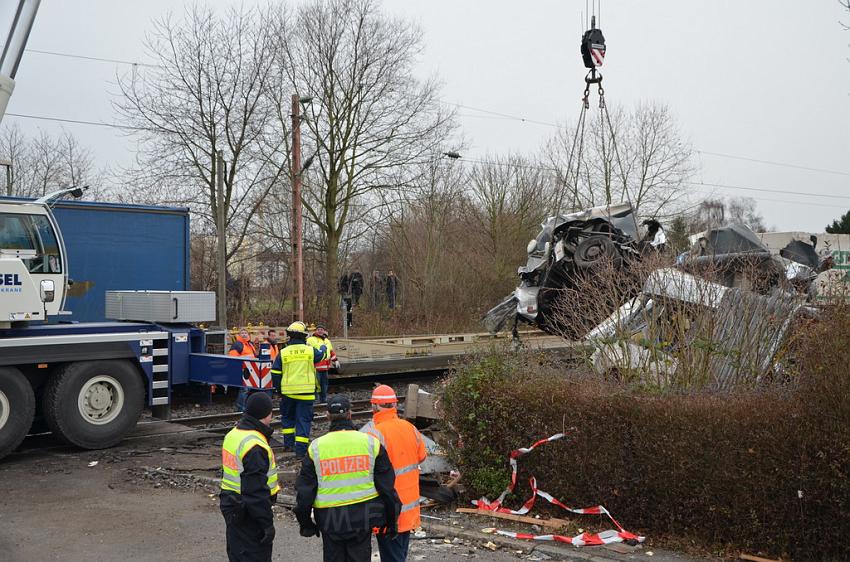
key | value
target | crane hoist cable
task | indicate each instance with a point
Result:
(593, 56)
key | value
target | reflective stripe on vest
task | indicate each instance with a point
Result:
(298, 372)
(403, 444)
(409, 506)
(236, 445)
(345, 468)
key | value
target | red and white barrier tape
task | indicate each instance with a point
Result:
(605, 537)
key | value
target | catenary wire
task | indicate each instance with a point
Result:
(475, 161)
(95, 59)
(492, 114)
(495, 114)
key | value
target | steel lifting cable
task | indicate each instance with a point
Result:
(593, 54)
(579, 134)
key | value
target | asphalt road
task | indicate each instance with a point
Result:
(143, 502)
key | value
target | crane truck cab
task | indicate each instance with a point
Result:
(33, 269)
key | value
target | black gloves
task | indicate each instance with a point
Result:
(268, 535)
(390, 531)
(309, 530)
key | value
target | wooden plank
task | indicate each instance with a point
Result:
(549, 523)
(753, 558)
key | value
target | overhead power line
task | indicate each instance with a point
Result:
(96, 59)
(502, 115)
(494, 114)
(773, 163)
(470, 160)
(766, 190)
(75, 121)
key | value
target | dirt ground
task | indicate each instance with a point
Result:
(149, 499)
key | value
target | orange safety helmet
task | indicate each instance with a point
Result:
(383, 394)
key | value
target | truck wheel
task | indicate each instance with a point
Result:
(93, 404)
(17, 408)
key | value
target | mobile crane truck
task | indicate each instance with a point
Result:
(88, 381)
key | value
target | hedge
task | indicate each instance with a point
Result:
(764, 470)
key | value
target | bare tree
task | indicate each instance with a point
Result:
(371, 120)
(713, 213)
(46, 163)
(207, 93)
(645, 161)
(509, 198)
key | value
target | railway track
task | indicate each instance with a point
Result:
(360, 409)
(210, 423)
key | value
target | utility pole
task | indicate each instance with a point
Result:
(8, 165)
(222, 240)
(297, 253)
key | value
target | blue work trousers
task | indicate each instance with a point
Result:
(296, 417)
(394, 550)
(323, 383)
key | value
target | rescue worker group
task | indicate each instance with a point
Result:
(352, 484)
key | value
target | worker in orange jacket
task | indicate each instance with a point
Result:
(274, 346)
(243, 347)
(406, 449)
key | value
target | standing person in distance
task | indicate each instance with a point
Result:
(249, 484)
(356, 287)
(406, 449)
(243, 347)
(274, 346)
(296, 367)
(347, 481)
(391, 284)
(323, 367)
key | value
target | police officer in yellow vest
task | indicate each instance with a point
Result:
(348, 482)
(296, 366)
(249, 484)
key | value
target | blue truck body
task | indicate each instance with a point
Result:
(121, 247)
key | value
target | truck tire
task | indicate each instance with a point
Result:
(94, 404)
(17, 409)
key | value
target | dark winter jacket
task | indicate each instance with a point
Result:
(350, 520)
(254, 505)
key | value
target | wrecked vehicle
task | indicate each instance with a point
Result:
(568, 247)
(721, 316)
(735, 256)
(683, 329)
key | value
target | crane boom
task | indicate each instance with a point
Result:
(13, 49)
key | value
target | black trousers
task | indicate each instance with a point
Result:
(243, 543)
(358, 548)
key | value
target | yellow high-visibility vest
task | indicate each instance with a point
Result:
(345, 467)
(298, 373)
(236, 445)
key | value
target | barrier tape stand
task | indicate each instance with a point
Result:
(583, 539)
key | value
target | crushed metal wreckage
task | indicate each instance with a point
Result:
(568, 247)
(728, 303)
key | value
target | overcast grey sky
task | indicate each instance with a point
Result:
(761, 79)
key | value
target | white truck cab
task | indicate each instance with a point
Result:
(33, 266)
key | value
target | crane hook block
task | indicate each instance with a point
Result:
(593, 48)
